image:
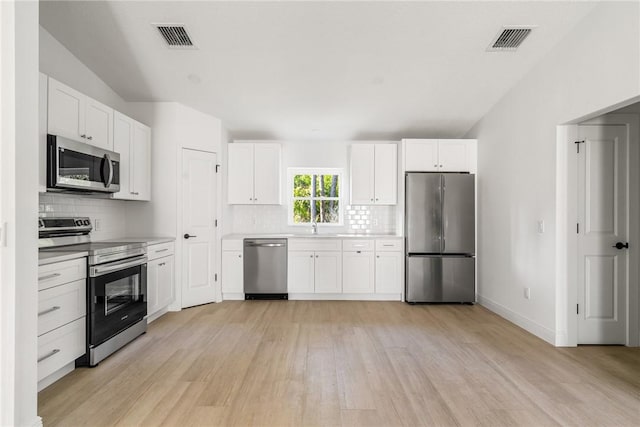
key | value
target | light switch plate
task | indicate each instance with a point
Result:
(540, 224)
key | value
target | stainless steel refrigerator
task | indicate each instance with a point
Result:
(440, 237)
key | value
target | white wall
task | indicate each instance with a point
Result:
(58, 62)
(595, 66)
(308, 154)
(18, 212)
(174, 127)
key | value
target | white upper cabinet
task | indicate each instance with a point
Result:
(74, 115)
(266, 174)
(362, 174)
(439, 155)
(253, 174)
(374, 174)
(133, 141)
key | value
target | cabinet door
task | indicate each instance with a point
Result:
(454, 155)
(357, 272)
(266, 174)
(328, 272)
(98, 124)
(166, 272)
(362, 174)
(42, 132)
(66, 108)
(386, 174)
(240, 174)
(141, 162)
(389, 272)
(152, 286)
(232, 272)
(122, 141)
(421, 155)
(300, 272)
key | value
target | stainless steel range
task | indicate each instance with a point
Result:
(116, 284)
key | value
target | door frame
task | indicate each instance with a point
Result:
(567, 238)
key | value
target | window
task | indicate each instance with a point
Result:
(315, 196)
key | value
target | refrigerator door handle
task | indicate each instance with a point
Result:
(443, 218)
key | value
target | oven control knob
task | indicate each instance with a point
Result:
(86, 222)
(78, 222)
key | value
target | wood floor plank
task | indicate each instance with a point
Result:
(346, 363)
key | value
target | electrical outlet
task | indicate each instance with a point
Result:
(527, 293)
(97, 224)
(541, 226)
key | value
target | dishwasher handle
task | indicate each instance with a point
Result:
(266, 245)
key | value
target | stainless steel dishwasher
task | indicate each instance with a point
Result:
(265, 269)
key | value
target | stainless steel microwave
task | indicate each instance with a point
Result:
(77, 166)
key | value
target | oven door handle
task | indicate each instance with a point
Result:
(101, 270)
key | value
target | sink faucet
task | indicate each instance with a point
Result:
(314, 228)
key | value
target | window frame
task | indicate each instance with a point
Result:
(291, 172)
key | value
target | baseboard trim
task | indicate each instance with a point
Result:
(55, 376)
(157, 314)
(233, 296)
(37, 422)
(346, 297)
(525, 323)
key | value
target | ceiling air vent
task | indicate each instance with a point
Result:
(510, 38)
(175, 35)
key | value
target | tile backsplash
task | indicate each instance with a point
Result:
(107, 215)
(273, 219)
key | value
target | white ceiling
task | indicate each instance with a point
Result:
(315, 70)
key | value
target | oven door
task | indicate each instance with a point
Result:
(77, 166)
(117, 297)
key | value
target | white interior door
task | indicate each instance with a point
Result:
(198, 227)
(603, 215)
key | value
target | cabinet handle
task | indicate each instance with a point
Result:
(377, 200)
(89, 137)
(83, 136)
(162, 250)
(377, 256)
(387, 244)
(50, 310)
(310, 256)
(316, 256)
(250, 198)
(55, 351)
(435, 166)
(358, 252)
(239, 256)
(49, 276)
(440, 165)
(372, 200)
(161, 264)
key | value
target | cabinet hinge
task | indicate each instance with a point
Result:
(215, 277)
(577, 308)
(217, 168)
(578, 145)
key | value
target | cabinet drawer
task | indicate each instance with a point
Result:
(51, 275)
(160, 250)
(317, 244)
(232, 244)
(60, 305)
(60, 347)
(353, 245)
(389, 245)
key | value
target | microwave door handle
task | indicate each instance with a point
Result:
(110, 179)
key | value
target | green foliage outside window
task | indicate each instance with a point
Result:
(316, 199)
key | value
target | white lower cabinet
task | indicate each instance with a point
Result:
(301, 272)
(232, 274)
(62, 308)
(160, 278)
(328, 272)
(389, 268)
(358, 272)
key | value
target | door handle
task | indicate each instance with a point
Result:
(621, 245)
(188, 236)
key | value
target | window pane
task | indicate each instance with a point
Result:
(301, 211)
(326, 185)
(326, 212)
(302, 185)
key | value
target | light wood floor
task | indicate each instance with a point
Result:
(277, 363)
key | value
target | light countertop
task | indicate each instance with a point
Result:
(50, 257)
(148, 240)
(308, 236)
